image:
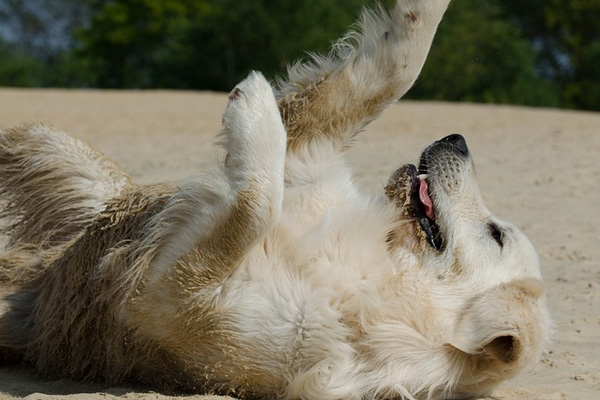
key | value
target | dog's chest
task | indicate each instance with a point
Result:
(305, 268)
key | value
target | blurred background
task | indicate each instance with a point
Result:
(531, 52)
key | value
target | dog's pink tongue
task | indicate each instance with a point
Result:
(425, 199)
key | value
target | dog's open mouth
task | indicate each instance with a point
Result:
(409, 188)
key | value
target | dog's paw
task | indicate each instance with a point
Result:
(255, 91)
(252, 112)
(253, 133)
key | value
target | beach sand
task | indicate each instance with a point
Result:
(538, 168)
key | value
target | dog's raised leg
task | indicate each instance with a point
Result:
(212, 220)
(333, 98)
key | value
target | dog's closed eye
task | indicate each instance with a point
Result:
(496, 234)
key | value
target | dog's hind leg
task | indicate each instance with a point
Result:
(212, 221)
(51, 187)
(333, 98)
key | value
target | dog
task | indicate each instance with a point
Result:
(273, 276)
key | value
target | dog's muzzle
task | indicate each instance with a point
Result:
(409, 187)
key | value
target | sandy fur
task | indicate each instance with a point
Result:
(274, 275)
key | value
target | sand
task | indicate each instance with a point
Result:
(539, 168)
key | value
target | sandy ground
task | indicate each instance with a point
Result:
(538, 168)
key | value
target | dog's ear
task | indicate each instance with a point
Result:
(504, 324)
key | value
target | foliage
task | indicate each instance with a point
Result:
(567, 35)
(67, 69)
(482, 62)
(535, 52)
(233, 37)
(122, 37)
(17, 69)
(206, 44)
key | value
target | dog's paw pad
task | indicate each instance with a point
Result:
(235, 94)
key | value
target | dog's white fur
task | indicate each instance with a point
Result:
(274, 276)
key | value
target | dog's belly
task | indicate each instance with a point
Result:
(294, 295)
(286, 326)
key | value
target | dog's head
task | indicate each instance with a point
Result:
(442, 200)
(485, 269)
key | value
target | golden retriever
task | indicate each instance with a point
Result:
(273, 276)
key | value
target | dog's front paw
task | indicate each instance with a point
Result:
(254, 135)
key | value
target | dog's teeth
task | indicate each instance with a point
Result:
(423, 176)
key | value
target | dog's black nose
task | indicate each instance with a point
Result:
(457, 142)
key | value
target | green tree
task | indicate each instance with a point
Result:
(584, 91)
(120, 42)
(18, 69)
(567, 35)
(536, 52)
(233, 37)
(67, 69)
(481, 57)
